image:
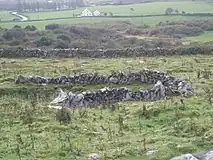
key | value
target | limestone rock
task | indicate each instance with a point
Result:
(204, 155)
(185, 157)
(94, 156)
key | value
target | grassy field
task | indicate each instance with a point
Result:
(206, 37)
(29, 130)
(5, 15)
(139, 9)
(102, 21)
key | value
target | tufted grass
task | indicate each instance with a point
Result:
(168, 125)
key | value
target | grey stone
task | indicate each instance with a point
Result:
(151, 151)
(204, 155)
(129, 52)
(93, 156)
(185, 157)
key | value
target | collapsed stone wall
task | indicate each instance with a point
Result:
(165, 85)
(128, 52)
(203, 155)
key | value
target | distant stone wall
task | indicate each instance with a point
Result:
(128, 52)
(165, 85)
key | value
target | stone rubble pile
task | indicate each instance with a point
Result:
(204, 155)
(105, 96)
(94, 156)
(127, 52)
(165, 85)
(142, 76)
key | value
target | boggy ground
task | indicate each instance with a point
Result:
(29, 130)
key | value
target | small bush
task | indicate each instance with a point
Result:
(15, 33)
(51, 26)
(207, 26)
(63, 116)
(59, 31)
(30, 28)
(173, 30)
(17, 26)
(7, 36)
(14, 43)
(64, 38)
(82, 43)
(44, 41)
(18, 33)
(61, 44)
(168, 11)
(25, 40)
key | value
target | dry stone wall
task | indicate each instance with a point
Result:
(164, 85)
(128, 52)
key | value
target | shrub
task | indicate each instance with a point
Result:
(51, 26)
(44, 41)
(78, 30)
(134, 31)
(25, 40)
(61, 44)
(18, 33)
(175, 30)
(64, 38)
(86, 44)
(14, 43)
(59, 31)
(8, 35)
(168, 11)
(17, 26)
(63, 116)
(30, 28)
(14, 33)
(207, 26)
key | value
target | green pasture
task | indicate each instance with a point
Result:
(29, 129)
(5, 15)
(138, 9)
(102, 21)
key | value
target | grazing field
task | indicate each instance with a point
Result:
(29, 129)
(138, 9)
(5, 15)
(102, 21)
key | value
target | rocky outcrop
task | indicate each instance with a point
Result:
(165, 85)
(205, 155)
(128, 52)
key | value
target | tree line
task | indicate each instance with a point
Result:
(25, 5)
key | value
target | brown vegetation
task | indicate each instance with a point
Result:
(113, 36)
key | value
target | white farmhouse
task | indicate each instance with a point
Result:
(96, 13)
(86, 13)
